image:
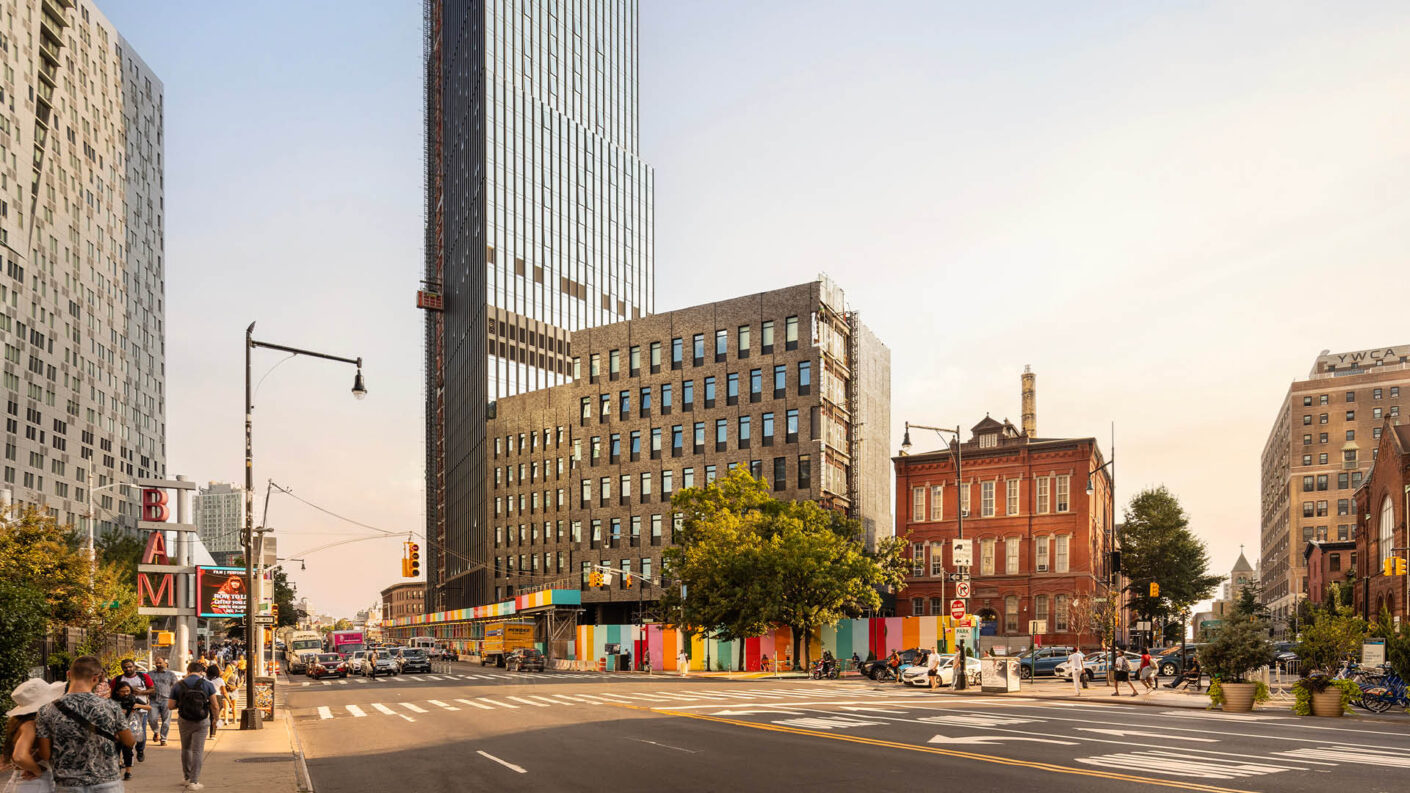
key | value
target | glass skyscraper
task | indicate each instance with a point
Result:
(539, 222)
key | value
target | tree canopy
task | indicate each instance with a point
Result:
(1158, 546)
(744, 560)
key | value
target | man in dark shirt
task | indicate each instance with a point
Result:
(162, 680)
(79, 734)
(198, 691)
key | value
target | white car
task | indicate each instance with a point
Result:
(919, 675)
(1094, 666)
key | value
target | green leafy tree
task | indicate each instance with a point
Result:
(39, 553)
(1249, 605)
(121, 549)
(343, 625)
(22, 618)
(1329, 637)
(284, 592)
(1239, 646)
(1158, 546)
(1397, 643)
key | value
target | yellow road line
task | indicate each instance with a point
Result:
(986, 758)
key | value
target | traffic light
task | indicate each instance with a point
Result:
(275, 608)
(1399, 566)
(594, 579)
(1388, 567)
(627, 580)
(1155, 590)
(411, 563)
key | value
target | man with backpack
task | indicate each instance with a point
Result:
(80, 732)
(192, 699)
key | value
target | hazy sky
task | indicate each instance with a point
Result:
(1167, 209)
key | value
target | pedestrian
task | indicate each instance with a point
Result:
(160, 715)
(646, 660)
(856, 662)
(136, 715)
(192, 698)
(230, 692)
(1122, 674)
(142, 690)
(19, 752)
(682, 664)
(80, 734)
(932, 669)
(217, 683)
(1075, 666)
(1146, 671)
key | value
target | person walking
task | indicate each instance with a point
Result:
(1146, 671)
(192, 698)
(646, 660)
(1122, 674)
(1075, 666)
(231, 691)
(80, 733)
(682, 664)
(136, 714)
(932, 669)
(19, 752)
(213, 677)
(142, 689)
(159, 717)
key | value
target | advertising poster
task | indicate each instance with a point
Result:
(221, 591)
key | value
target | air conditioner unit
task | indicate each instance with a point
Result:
(964, 513)
(1042, 568)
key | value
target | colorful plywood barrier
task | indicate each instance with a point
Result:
(867, 638)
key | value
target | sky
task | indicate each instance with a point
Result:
(1167, 210)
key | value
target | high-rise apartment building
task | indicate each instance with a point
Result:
(220, 516)
(1321, 445)
(81, 236)
(539, 223)
(582, 474)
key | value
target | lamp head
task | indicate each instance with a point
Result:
(1090, 489)
(906, 440)
(359, 389)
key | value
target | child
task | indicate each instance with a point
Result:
(136, 714)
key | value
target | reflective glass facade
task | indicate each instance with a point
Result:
(539, 223)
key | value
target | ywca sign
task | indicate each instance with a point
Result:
(157, 574)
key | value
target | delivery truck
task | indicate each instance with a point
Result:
(502, 638)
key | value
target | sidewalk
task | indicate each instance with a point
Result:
(265, 760)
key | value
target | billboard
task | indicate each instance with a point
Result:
(220, 591)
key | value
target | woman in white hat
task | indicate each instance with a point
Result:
(18, 750)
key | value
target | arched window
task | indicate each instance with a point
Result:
(1387, 529)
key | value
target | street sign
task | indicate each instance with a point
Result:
(953, 577)
(962, 552)
(1143, 625)
(1373, 652)
(962, 589)
(264, 619)
(1037, 627)
(957, 609)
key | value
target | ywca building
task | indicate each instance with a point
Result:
(1039, 538)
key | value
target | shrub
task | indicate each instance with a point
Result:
(1239, 647)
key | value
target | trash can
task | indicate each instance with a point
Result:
(264, 697)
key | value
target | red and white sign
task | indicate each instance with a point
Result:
(962, 589)
(957, 609)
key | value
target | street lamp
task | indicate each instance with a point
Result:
(1111, 557)
(250, 717)
(959, 512)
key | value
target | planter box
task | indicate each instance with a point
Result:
(1327, 703)
(1238, 697)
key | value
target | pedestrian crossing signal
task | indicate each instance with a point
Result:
(1399, 566)
(1155, 590)
(1394, 566)
(627, 580)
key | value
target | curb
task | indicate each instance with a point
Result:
(302, 778)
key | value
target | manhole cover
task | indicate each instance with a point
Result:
(278, 758)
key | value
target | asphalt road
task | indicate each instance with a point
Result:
(485, 729)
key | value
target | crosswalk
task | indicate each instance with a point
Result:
(530, 702)
(516, 677)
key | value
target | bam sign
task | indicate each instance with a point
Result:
(163, 583)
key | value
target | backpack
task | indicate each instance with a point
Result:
(192, 704)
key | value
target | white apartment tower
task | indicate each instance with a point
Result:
(220, 515)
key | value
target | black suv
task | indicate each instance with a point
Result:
(413, 659)
(524, 660)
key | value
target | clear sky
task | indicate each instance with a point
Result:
(1166, 209)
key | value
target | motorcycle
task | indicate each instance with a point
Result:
(825, 670)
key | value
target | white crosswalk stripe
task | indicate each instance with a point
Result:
(356, 711)
(383, 709)
(476, 704)
(325, 712)
(501, 704)
(441, 704)
(527, 702)
(413, 708)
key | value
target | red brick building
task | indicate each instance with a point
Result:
(1381, 505)
(1327, 562)
(1039, 537)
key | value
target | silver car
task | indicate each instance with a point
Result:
(379, 662)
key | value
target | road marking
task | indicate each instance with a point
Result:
(413, 708)
(748, 712)
(342, 682)
(545, 699)
(501, 704)
(666, 746)
(441, 704)
(356, 711)
(828, 723)
(1221, 716)
(981, 739)
(1177, 765)
(510, 766)
(987, 758)
(1120, 733)
(528, 702)
(432, 677)
(324, 712)
(975, 720)
(563, 698)
(384, 709)
(1352, 754)
(476, 704)
(325, 682)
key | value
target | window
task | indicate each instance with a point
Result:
(605, 486)
(1343, 506)
(780, 380)
(1322, 437)
(1306, 459)
(791, 426)
(917, 560)
(917, 504)
(1387, 534)
(655, 529)
(595, 365)
(780, 473)
(655, 441)
(743, 341)
(697, 347)
(936, 607)
(1321, 481)
(1307, 400)
(1307, 419)
(645, 484)
(624, 403)
(1350, 415)
(756, 384)
(743, 432)
(699, 434)
(721, 344)
(709, 392)
(667, 482)
(605, 406)
(732, 389)
(596, 531)
(1040, 607)
(687, 477)
(1343, 481)
(937, 559)
(585, 408)
(687, 394)
(1376, 393)
(986, 556)
(790, 333)
(917, 607)
(1040, 553)
(624, 486)
(1350, 396)
(986, 499)
(634, 359)
(1307, 440)
(1322, 419)
(1322, 399)
(1063, 484)
(805, 472)
(655, 356)
(1060, 613)
(1322, 458)
(1376, 413)
(1011, 556)
(766, 340)
(665, 398)
(677, 349)
(1044, 484)
(614, 362)
(805, 377)
(1394, 392)
(1060, 553)
(1308, 507)
(721, 432)
(577, 368)
(1011, 614)
(1011, 497)
(768, 429)
(964, 498)
(615, 446)
(1334, 562)
(937, 503)
(677, 439)
(1351, 435)
(645, 399)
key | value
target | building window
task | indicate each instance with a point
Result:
(1060, 553)
(1376, 393)
(937, 559)
(937, 503)
(1307, 440)
(634, 359)
(756, 384)
(687, 478)
(1044, 485)
(1011, 614)
(667, 482)
(697, 348)
(1387, 526)
(766, 336)
(721, 432)
(1334, 562)
(655, 356)
(964, 499)
(655, 529)
(732, 389)
(1321, 481)
(1350, 396)
(743, 341)
(768, 429)
(744, 432)
(1011, 497)
(595, 365)
(805, 472)
(1060, 613)
(917, 560)
(780, 473)
(1011, 556)
(1063, 484)
(986, 499)
(1040, 553)
(936, 607)
(1343, 506)
(677, 350)
(805, 377)
(1307, 420)
(721, 344)
(1307, 509)
(917, 607)
(790, 333)
(1322, 399)
(917, 504)
(1350, 415)
(614, 362)
(986, 556)
(1040, 607)
(790, 426)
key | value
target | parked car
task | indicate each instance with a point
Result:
(379, 661)
(1041, 661)
(414, 659)
(919, 674)
(1094, 665)
(301, 661)
(327, 665)
(1171, 662)
(524, 660)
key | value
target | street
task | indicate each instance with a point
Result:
(488, 729)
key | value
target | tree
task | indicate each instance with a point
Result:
(744, 560)
(1091, 615)
(36, 552)
(1158, 547)
(121, 549)
(1239, 646)
(342, 625)
(1248, 604)
(22, 610)
(1329, 637)
(284, 599)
